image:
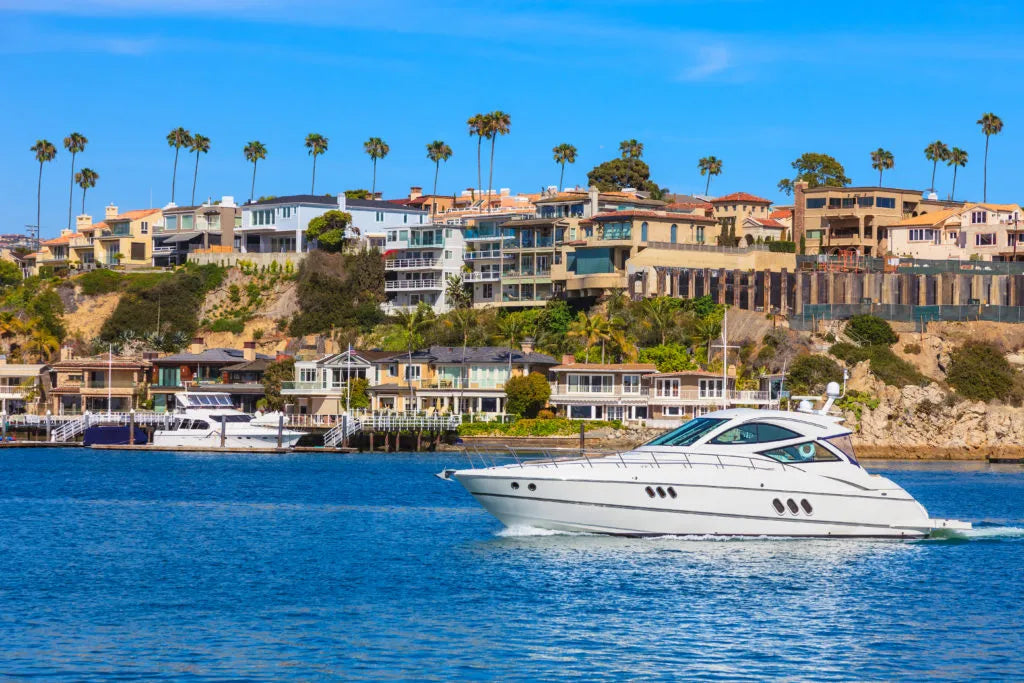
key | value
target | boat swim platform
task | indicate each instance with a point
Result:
(218, 449)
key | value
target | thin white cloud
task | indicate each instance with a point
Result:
(711, 62)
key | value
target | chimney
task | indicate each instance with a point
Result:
(799, 205)
(415, 192)
(592, 195)
(527, 345)
(196, 346)
(65, 352)
(342, 201)
(249, 350)
(111, 212)
(569, 359)
(83, 222)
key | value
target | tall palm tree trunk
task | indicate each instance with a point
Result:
(174, 175)
(707, 185)
(373, 187)
(561, 178)
(83, 200)
(984, 185)
(437, 169)
(408, 372)
(490, 170)
(952, 194)
(39, 202)
(195, 177)
(312, 187)
(880, 177)
(71, 190)
(479, 182)
(252, 190)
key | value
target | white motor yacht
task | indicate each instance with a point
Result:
(736, 472)
(199, 418)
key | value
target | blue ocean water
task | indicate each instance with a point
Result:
(195, 566)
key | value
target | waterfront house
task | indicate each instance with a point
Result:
(187, 229)
(678, 396)
(601, 391)
(983, 232)
(23, 386)
(321, 385)
(236, 372)
(733, 210)
(81, 384)
(126, 239)
(278, 224)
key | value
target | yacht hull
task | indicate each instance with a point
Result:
(708, 508)
(181, 439)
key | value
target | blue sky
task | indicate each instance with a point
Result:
(754, 83)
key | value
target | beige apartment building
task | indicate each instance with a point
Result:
(732, 212)
(984, 232)
(834, 219)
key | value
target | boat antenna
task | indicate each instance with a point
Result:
(110, 374)
(348, 380)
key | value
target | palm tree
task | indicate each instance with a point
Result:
(177, 138)
(990, 125)
(564, 154)
(510, 331)
(74, 143)
(631, 149)
(710, 166)
(882, 160)
(957, 157)
(477, 124)
(438, 151)
(254, 151)
(455, 292)
(590, 329)
(200, 145)
(317, 145)
(86, 178)
(660, 314)
(464, 319)
(41, 343)
(45, 151)
(709, 328)
(936, 152)
(410, 326)
(376, 149)
(497, 123)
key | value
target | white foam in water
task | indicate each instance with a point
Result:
(979, 533)
(523, 531)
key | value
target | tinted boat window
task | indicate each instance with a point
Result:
(754, 432)
(688, 434)
(802, 452)
(844, 444)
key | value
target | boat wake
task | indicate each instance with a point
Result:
(528, 531)
(982, 531)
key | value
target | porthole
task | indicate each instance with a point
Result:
(661, 492)
(650, 492)
(515, 486)
(671, 492)
(779, 507)
(793, 507)
(806, 506)
(532, 487)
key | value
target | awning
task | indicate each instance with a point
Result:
(181, 237)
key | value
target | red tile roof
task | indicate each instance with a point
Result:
(625, 367)
(741, 197)
(781, 213)
(640, 213)
(136, 214)
(768, 222)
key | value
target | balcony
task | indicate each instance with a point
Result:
(459, 384)
(484, 235)
(486, 276)
(336, 388)
(533, 243)
(563, 392)
(412, 263)
(482, 255)
(526, 273)
(713, 397)
(405, 285)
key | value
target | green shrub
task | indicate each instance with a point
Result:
(885, 365)
(100, 281)
(545, 414)
(783, 247)
(339, 291)
(527, 395)
(851, 354)
(233, 325)
(171, 299)
(871, 330)
(912, 349)
(668, 357)
(977, 370)
(810, 373)
(535, 427)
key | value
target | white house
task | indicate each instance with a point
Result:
(278, 224)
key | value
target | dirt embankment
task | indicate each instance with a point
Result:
(84, 315)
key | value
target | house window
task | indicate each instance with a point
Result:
(380, 216)
(710, 388)
(412, 372)
(447, 231)
(584, 384)
(671, 411)
(286, 212)
(816, 203)
(487, 291)
(138, 251)
(667, 387)
(393, 369)
(307, 374)
(886, 202)
(447, 253)
(403, 235)
(922, 235)
(405, 218)
(985, 239)
(421, 218)
(700, 234)
(631, 384)
(673, 233)
(978, 217)
(865, 202)
(145, 228)
(392, 236)
(643, 231)
(186, 222)
(172, 222)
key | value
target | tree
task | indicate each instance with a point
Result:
(409, 326)
(277, 372)
(526, 395)
(882, 160)
(200, 145)
(613, 175)
(438, 151)
(816, 170)
(990, 125)
(74, 143)
(936, 152)
(357, 194)
(564, 154)
(957, 157)
(590, 329)
(317, 145)
(330, 230)
(177, 138)
(359, 395)
(668, 358)
(496, 123)
(709, 166)
(631, 149)
(660, 314)
(455, 292)
(511, 331)
(786, 186)
(10, 273)
(977, 370)
(810, 373)
(477, 123)
(86, 178)
(870, 330)
(254, 151)
(44, 151)
(41, 343)
(375, 148)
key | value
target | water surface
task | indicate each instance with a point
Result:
(306, 566)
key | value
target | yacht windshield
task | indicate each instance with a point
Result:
(231, 418)
(689, 433)
(845, 444)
